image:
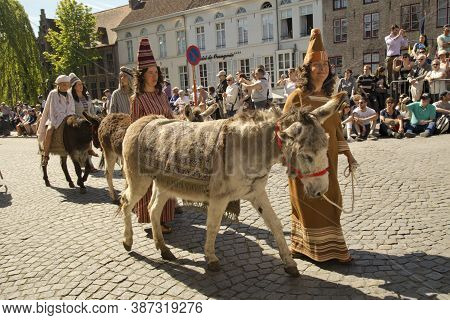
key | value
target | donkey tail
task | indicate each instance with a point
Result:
(101, 165)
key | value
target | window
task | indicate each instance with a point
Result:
(220, 33)
(266, 5)
(179, 24)
(93, 90)
(372, 59)
(101, 65)
(198, 20)
(110, 62)
(339, 4)
(181, 42)
(184, 80)
(443, 9)
(165, 72)
(371, 25)
(200, 37)
(130, 50)
(112, 84)
(369, 1)
(284, 63)
(245, 67)
(283, 2)
(306, 20)
(268, 66)
(223, 66)
(143, 32)
(409, 17)
(241, 11)
(160, 28)
(242, 31)
(91, 68)
(203, 75)
(286, 24)
(340, 30)
(162, 46)
(267, 24)
(218, 15)
(337, 62)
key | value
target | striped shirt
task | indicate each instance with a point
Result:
(143, 105)
(120, 101)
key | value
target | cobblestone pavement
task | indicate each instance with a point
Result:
(59, 244)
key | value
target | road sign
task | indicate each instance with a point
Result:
(193, 55)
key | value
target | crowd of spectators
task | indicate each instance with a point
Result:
(22, 117)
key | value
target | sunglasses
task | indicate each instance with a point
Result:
(420, 59)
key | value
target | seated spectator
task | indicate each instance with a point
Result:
(365, 120)
(403, 109)
(435, 84)
(443, 105)
(174, 97)
(24, 127)
(417, 76)
(391, 122)
(423, 115)
(347, 122)
(4, 125)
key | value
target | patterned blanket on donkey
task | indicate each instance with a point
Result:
(179, 150)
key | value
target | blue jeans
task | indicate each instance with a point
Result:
(418, 128)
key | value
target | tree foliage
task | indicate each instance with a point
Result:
(72, 43)
(21, 75)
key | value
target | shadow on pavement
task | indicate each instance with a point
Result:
(92, 195)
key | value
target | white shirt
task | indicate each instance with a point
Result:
(364, 114)
(182, 101)
(289, 87)
(437, 86)
(232, 99)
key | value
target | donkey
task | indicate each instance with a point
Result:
(76, 142)
(110, 134)
(248, 146)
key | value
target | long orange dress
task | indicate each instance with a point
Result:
(144, 105)
(316, 228)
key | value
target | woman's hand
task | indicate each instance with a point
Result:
(352, 163)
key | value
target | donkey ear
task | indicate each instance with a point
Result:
(331, 107)
(292, 131)
(91, 119)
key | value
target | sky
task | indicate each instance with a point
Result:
(33, 8)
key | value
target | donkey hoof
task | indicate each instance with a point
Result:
(83, 190)
(71, 185)
(167, 255)
(126, 246)
(214, 266)
(293, 271)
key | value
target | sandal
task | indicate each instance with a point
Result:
(165, 229)
(44, 161)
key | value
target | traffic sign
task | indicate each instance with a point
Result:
(193, 55)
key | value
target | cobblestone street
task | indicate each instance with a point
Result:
(59, 244)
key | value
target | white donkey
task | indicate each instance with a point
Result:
(236, 165)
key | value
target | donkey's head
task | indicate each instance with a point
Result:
(95, 122)
(305, 146)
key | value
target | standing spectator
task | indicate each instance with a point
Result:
(423, 115)
(420, 47)
(259, 89)
(417, 76)
(120, 98)
(443, 105)
(231, 97)
(174, 97)
(365, 121)
(79, 93)
(269, 80)
(366, 85)
(149, 99)
(347, 83)
(381, 87)
(182, 101)
(395, 41)
(403, 66)
(167, 88)
(289, 83)
(221, 88)
(433, 77)
(391, 122)
(107, 105)
(443, 40)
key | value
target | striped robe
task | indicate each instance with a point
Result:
(316, 229)
(144, 105)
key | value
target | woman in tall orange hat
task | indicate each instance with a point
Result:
(316, 229)
(149, 99)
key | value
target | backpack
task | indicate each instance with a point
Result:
(442, 124)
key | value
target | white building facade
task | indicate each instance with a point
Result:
(232, 36)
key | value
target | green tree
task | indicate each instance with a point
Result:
(21, 75)
(72, 44)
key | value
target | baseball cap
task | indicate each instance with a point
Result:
(221, 73)
(425, 96)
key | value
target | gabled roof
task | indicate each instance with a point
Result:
(149, 9)
(108, 20)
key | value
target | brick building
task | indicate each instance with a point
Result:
(354, 30)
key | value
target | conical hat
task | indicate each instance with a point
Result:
(145, 55)
(316, 50)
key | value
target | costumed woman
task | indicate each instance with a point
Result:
(150, 99)
(120, 98)
(316, 229)
(58, 106)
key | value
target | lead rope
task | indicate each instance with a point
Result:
(347, 172)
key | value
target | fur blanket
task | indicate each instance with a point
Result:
(57, 145)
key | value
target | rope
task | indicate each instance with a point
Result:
(347, 172)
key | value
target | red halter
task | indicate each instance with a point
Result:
(299, 174)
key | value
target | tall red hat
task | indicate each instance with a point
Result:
(145, 55)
